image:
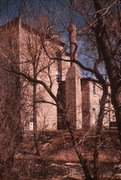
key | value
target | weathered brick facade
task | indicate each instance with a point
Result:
(85, 104)
(80, 97)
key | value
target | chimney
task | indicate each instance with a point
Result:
(73, 42)
(73, 85)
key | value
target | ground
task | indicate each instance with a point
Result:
(58, 160)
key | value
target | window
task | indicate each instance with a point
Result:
(93, 116)
(94, 88)
(31, 119)
(93, 110)
(31, 124)
(59, 67)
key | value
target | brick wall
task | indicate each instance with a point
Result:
(85, 104)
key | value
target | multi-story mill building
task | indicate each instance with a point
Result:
(38, 55)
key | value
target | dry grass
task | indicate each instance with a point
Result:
(56, 148)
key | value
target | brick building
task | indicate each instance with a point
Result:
(37, 55)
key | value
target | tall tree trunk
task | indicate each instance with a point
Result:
(98, 132)
(110, 63)
(76, 147)
(35, 112)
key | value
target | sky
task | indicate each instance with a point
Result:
(56, 10)
(8, 10)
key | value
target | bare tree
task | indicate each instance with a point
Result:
(103, 51)
(11, 132)
(61, 107)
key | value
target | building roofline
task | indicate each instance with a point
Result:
(92, 80)
(13, 21)
(29, 28)
(51, 37)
